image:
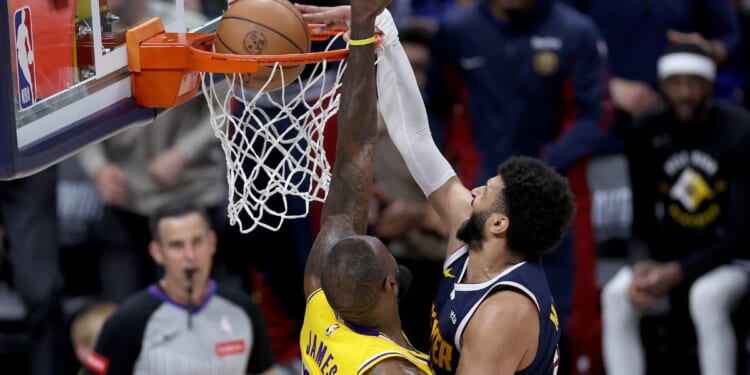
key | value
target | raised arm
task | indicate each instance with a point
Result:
(405, 117)
(345, 208)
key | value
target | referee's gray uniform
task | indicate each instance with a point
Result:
(149, 334)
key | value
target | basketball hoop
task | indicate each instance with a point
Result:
(272, 140)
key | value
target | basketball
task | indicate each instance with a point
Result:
(264, 27)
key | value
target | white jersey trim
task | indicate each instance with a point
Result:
(457, 254)
(470, 287)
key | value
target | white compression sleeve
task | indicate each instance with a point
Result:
(404, 114)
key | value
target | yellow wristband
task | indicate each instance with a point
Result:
(362, 42)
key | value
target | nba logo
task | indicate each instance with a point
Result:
(25, 73)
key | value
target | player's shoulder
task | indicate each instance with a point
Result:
(508, 303)
(506, 310)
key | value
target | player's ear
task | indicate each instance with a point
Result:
(390, 285)
(498, 223)
(155, 250)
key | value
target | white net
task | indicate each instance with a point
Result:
(273, 142)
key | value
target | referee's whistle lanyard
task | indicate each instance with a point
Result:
(190, 304)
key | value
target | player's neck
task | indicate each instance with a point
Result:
(388, 322)
(489, 260)
(394, 332)
(380, 323)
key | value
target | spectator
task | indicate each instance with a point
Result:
(28, 214)
(185, 323)
(691, 191)
(139, 171)
(85, 330)
(632, 59)
(535, 78)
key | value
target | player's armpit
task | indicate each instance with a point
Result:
(332, 231)
(395, 366)
(501, 337)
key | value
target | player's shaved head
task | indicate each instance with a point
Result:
(353, 276)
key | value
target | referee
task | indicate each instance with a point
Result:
(185, 323)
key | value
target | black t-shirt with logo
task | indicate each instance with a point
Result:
(691, 187)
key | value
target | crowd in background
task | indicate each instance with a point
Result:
(571, 82)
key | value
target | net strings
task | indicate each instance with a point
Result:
(273, 142)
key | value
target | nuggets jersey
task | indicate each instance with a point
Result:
(330, 345)
(455, 303)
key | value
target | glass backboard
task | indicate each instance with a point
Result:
(64, 68)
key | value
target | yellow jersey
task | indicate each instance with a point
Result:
(329, 345)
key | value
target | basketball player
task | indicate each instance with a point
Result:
(493, 313)
(185, 323)
(351, 323)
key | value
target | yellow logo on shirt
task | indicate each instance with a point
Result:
(441, 351)
(447, 273)
(546, 63)
(553, 317)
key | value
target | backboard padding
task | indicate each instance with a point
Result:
(81, 85)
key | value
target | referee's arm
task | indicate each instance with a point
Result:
(261, 359)
(117, 348)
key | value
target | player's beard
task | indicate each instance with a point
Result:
(471, 231)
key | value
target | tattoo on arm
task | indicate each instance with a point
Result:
(347, 203)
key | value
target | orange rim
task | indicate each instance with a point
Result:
(204, 59)
(164, 66)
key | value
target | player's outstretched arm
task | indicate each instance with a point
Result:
(345, 208)
(405, 117)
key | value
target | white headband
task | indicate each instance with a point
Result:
(686, 63)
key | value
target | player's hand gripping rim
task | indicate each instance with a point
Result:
(332, 18)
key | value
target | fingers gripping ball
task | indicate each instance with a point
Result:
(264, 27)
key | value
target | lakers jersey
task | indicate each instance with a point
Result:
(330, 345)
(455, 303)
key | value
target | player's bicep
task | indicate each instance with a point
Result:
(452, 202)
(501, 337)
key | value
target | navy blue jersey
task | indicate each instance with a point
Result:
(535, 87)
(455, 303)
